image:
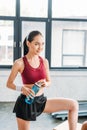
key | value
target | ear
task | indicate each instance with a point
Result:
(28, 43)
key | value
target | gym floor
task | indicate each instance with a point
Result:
(44, 121)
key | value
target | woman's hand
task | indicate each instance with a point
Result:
(27, 91)
(43, 83)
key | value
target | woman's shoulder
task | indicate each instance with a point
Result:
(45, 60)
(18, 65)
(18, 62)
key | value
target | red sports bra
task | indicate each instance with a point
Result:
(31, 75)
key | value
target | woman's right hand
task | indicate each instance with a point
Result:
(27, 91)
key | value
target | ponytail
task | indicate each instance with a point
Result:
(25, 46)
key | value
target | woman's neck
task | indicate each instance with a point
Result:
(31, 56)
(33, 60)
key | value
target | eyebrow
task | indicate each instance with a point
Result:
(39, 42)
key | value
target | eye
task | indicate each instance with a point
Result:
(43, 43)
(36, 43)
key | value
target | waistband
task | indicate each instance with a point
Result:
(24, 96)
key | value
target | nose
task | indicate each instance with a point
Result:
(40, 47)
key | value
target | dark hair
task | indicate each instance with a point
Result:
(30, 38)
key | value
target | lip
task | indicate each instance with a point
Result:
(38, 51)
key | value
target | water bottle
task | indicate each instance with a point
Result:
(29, 99)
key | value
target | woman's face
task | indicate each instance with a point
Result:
(36, 46)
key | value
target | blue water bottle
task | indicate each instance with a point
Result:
(29, 99)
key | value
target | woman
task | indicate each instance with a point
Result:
(84, 126)
(33, 68)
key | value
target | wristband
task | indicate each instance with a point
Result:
(18, 88)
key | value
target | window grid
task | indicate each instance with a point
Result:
(49, 19)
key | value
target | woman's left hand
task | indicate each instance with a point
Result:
(43, 83)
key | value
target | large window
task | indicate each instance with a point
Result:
(63, 24)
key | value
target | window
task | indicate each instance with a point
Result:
(7, 7)
(69, 9)
(73, 43)
(14, 26)
(63, 24)
(6, 42)
(69, 44)
(34, 8)
(10, 37)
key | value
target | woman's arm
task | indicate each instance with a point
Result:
(14, 71)
(25, 88)
(47, 81)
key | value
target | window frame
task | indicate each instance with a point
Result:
(17, 31)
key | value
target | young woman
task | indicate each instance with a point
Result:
(33, 68)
